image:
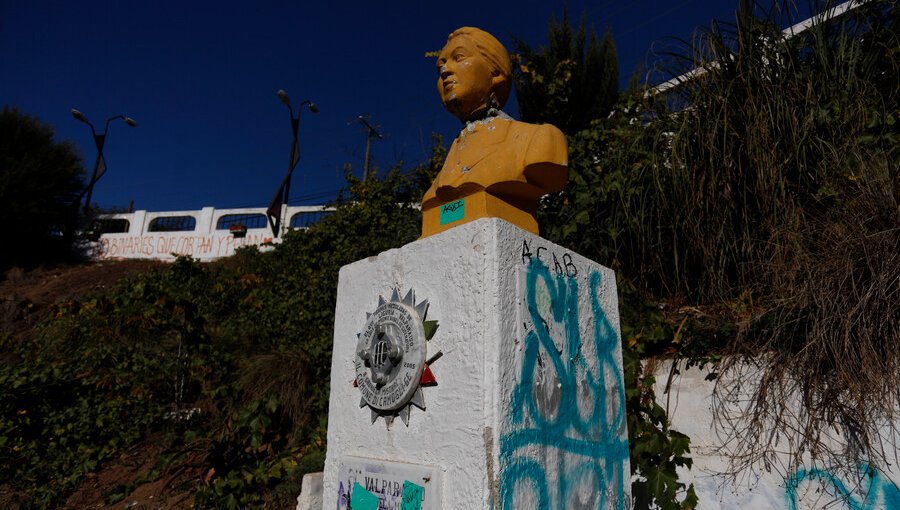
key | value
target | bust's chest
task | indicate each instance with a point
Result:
(483, 154)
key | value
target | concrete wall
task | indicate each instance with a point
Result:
(204, 242)
(690, 407)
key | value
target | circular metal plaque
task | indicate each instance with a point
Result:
(390, 356)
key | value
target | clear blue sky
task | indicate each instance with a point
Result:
(201, 78)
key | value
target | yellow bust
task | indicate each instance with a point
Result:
(496, 167)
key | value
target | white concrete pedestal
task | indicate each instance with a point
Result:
(528, 411)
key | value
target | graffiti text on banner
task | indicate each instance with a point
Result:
(163, 246)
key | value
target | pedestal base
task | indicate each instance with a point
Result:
(528, 411)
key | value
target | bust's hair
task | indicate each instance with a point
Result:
(494, 52)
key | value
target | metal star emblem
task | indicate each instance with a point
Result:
(390, 362)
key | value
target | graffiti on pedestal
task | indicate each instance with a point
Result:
(567, 443)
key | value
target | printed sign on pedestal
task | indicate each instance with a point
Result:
(390, 482)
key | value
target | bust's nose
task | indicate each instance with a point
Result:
(445, 72)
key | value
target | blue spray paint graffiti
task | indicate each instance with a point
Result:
(875, 492)
(568, 447)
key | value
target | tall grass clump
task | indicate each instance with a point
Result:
(777, 188)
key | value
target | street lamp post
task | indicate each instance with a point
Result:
(281, 196)
(369, 136)
(99, 141)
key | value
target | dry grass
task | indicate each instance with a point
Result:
(287, 374)
(780, 178)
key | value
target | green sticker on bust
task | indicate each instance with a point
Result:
(453, 211)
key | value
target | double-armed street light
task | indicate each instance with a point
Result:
(99, 141)
(281, 196)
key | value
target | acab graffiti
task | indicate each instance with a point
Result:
(872, 491)
(567, 447)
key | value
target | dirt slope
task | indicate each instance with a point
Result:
(26, 297)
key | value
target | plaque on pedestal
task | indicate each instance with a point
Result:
(386, 481)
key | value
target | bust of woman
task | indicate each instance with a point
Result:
(496, 167)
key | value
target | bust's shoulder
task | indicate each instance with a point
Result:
(542, 142)
(543, 130)
(538, 139)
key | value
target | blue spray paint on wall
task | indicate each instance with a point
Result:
(567, 447)
(874, 492)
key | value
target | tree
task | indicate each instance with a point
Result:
(564, 83)
(40, 184)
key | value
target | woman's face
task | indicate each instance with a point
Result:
(466, 78)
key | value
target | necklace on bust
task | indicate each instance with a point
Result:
(492, 113)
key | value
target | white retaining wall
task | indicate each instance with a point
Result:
(690, 408)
